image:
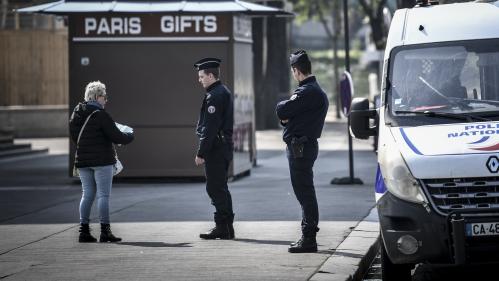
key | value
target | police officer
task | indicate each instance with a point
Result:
(302, 116)
(214, 129)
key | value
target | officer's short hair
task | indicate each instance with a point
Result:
(93, 90)
(214, 71)
(300, 61)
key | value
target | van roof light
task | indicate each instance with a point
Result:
(425, 3)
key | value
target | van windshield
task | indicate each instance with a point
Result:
(457, 78)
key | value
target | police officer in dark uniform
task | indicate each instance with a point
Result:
(302, 116)
(214, 129)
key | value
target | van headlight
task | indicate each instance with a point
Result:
(398, 179)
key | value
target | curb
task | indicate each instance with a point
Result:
(353, 257)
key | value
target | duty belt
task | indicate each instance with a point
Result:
(221, 136)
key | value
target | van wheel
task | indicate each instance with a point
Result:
(391, 271)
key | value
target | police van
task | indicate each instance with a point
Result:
(437, 185)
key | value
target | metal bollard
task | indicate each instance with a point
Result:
(458, 244)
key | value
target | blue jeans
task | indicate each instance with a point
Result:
(95, 180)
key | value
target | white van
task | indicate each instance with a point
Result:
(437, 188)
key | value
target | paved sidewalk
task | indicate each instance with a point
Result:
(160, 222)
(353, 257)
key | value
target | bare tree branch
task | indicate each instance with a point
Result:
(323, 20)
(367, 10)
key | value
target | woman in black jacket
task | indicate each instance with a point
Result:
(95, 157)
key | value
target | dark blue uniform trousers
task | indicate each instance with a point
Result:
(216, 170)
(302, 179)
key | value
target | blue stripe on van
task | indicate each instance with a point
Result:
(380, 186)
(480, 140)
(409, 143)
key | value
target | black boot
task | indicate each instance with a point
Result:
(85, 236)
(313, 234)
(106, 235)
(296, 242)
(304, 245)
(220, 231)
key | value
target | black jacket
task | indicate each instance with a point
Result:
(306, 111)
(216, 120)
(96, 143)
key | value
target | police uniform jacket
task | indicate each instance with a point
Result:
(96, 143)
(306, 111)
(216, 121)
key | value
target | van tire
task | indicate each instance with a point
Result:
(391, 271)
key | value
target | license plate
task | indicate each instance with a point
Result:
(482, 229)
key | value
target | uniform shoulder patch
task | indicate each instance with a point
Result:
(211, 109)
(293, 97)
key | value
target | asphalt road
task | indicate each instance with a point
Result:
(32, 188)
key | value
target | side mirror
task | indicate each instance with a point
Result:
(359, 119)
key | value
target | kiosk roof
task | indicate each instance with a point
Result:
(235, 6)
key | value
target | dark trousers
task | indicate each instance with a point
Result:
(302, 179)
(216, 170)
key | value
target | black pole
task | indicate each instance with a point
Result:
(351, 179)
(347, 67)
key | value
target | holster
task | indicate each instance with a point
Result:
(297, 146)
(221, 137)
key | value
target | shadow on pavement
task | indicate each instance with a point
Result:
(347, 254)
(326, 252)
(156, 244)
(271, 242)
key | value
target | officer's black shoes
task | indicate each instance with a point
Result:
(297, 241)
(220, 231)
(106, 235)
(85, 236)
(304, 245)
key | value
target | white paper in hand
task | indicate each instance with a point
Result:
(124, 128)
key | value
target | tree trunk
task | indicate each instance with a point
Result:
(376, 21)
(258, 71)
(276, 81)
(378, 32)
(271, 68)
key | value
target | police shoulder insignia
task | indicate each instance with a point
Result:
(211, 109)
(293, 97)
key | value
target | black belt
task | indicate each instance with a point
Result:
(300, 139)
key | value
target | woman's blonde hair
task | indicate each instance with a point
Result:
(93, 90)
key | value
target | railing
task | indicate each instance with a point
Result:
(12, 20)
